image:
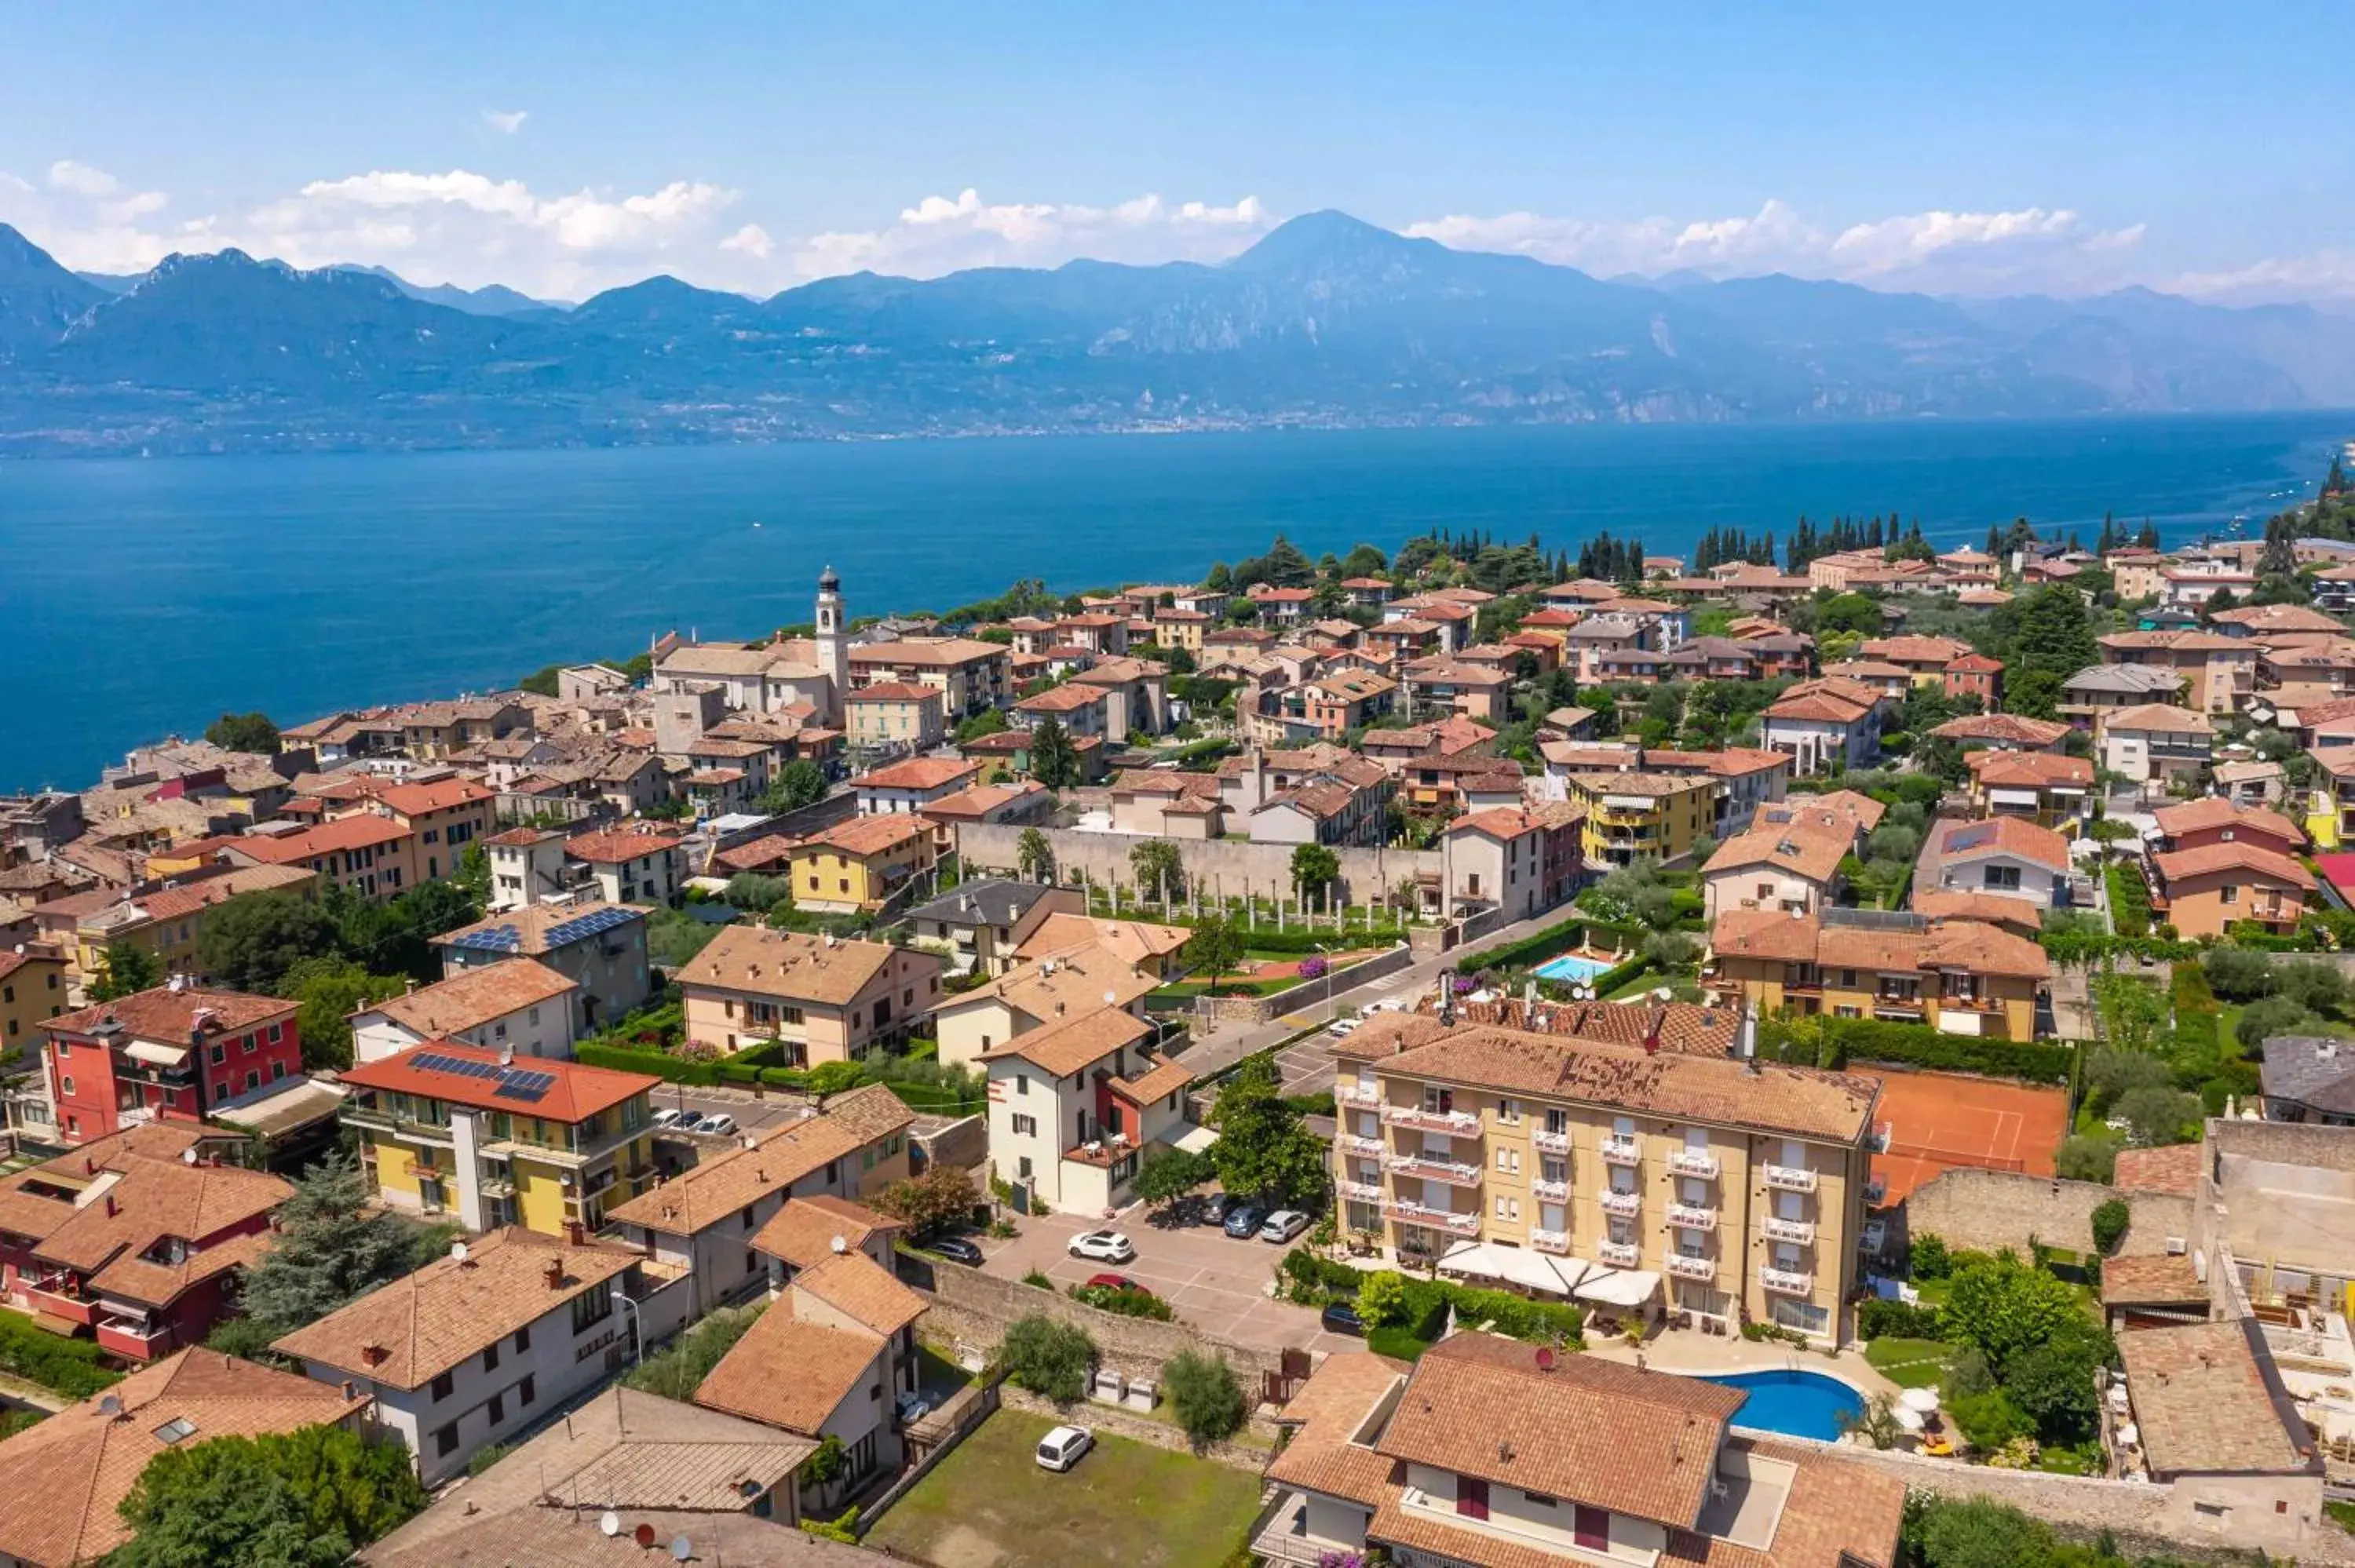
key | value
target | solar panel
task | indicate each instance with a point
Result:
(1971, 838)
(434, 1061)
(501, 939)
(589, 925)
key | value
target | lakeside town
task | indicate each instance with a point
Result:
(1799, 1055)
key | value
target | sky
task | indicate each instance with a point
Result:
(1994, 148)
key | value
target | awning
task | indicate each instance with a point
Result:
(1194, 1140)
(2012, 797)
(1513, 1265)
(1619, 1286)
(159, 1055)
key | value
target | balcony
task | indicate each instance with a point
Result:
(1789, 1178)
(1455, 1172)
(1352, 1094)
(498, 1185)
(1618, 1255)
(1625, 1205)
(1453, 1123)
(1353, 1143)
(1551, 1241)
(368, 1116)
(1619, 1150)
(1692, 1216)
(1693, 1162)
(1799, 1233)
(1684, 1265)
(1550, 1142)
(1787, 1281)
(1408, 1214)
(133, 1340)
(1365, 1192)
(1557, 1191)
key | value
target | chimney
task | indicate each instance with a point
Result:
(1653, 1021)
(555, 1275)
(349, 1392)
(375, 1355)
(109, 1205)
(574, 1235)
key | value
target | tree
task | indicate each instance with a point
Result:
(1876, 1422)
(2269, 1016)
(931, 1202)
(1314, 869)
(1263, 1150)
(1035, 857)
(989, 721)
(290, 1499)
(542, 682)
(130, 969)
(756, 892)
(1216, 947)
(799, 783)
(330, 1248)
(2312, 984)
(1381, 1298)
(2001, 1308)
(329, 992)
(1205, 1396)
(252, 941)
(1054, 762)
(680, 1370)
(2109, 1222)
(2238, 974)
(2158, 1116)
(2086, 1157)
(2052, 1383)
(1049, 1357)
(1976, 1534)
(1171, 1173)
(1159, 868)
(472, 877)
(244, 732)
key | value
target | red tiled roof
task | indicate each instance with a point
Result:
(579, 1092)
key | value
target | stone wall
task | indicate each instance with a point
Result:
(959, 1145)
(1138, 1428)
(1988, 1210)
(975, 1309)
(1225, 867)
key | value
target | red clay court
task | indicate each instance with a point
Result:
(1937, 1121)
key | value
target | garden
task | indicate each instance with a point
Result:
(1405, 1316)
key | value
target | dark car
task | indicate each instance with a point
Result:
(956, 1249)
(1341, 1318)
(1213, 1211)
(1243, 1220)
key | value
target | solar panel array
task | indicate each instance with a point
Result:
(527, 1083)
(590, 925)
(1971, 838)
(501, 939)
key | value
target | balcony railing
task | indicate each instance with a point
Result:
(1350, 1094)
(1423, 1214)
(1626, 1205)
(1692, 1216)
(1557, 1191)
(1455, 1172)
(1684, 1265)
(1455, 1124)
(368, 1116)
(1550, 1142)
(1787, 1281)
(1618, 1255)
(1550, 1241)
(1367, 1192)
(1619, 1150)
(1790, 1177)
(1799, 1231)
(133, 1341)
(1356, 1143)
(1693, 1162)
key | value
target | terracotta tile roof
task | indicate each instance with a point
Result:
(1076, 984)
(405, 1334)
(189, 897)
(862, 1290)
(2209, 859)
(2176, 641)
(474, 997)
(2012, 727)
(2204, 1402)
(1957, 841)
(1597, 1432)
(892, 692)
(869, 1112)
(365, 830)
(616, 845)
(1775, 935)
(1658, 785)
(802, 1233)
(790, 1371)
(68, 1474)
(927, 653)
(920, 773)
(763, 853)
(2158, 1278)
(156, 1199)
(2174, 1168)
(577, 1092)
(1811, 845)
(443, 795)
(1067, 1046)
(1132, 942)
(1331, 1410)
(1820, 707)
(877, 833)
(790, 965)
(2029, 770)
(1916, 650)
(1165, 1079)
(168, 1016)
(2157, 717)
(2215, 812)
(1988, 909)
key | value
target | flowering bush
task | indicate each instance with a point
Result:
(1314, 966)
(1466, 985)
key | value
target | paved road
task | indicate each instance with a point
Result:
(1218, 1283)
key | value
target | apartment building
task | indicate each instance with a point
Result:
(1747, 780)
(372, 855)
(1522, 858)
(898, 713)
(2205, 892)
(826, 999)
(1491, 1451)
(2219, 673)
(1632, 817)
(1079, 710)
(2157, 743)
(1830, 725)
(1958, 976)
(909, 787)
(2034, 786)
(445, 815)
(482, 1345)
(514, 1005)
(971, 676)
(861, 864)
(636, 864)
(600, 947)
(175, 1052)
(167, 920)
(1740, 1183)
(1074, 1105)
(491, 1140)
(32, 990)
(1044, 989)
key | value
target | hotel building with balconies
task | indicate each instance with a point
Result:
(1726, 1187)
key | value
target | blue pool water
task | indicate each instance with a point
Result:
(1796, 1404)
(1570, 967)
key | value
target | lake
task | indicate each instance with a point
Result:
(142, 598)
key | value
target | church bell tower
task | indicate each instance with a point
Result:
(832, 653)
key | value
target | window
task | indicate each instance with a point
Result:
(1025, 1126)
(1509, 1112)
(523, 1343)
(524, 1392)
(276, 1032)
(2229, 894)
(445, 1440)
(490, 1357)
(1591, 1528)
(589, 1308)
(441, 1387)
(1021, 1084)
(66, 1084)
(246, 1046)
(1509, 1161)
(253, 1078)
(215, 1054)
(2002, 876)
(497, 1410)
(746, 1216)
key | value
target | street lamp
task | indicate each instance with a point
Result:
(637, 1324)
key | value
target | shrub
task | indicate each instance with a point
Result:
(2236, 974)
(69, 1367)
(1836, 1042)
(1307, 1268)
(1204, 1395)
(1039, 1278)
(2269, 1016)
(2311, 984)
(671, 1069)
(2109, 1223)
(1989, 1420)
(1929, 1258)
(1381, 1298)
(680, 1370)
(1880, 1319)
(1126, 1300)
(2087, 1156)
(1049, 1357)
(2129, 899)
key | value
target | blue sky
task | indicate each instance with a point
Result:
(1987, 148)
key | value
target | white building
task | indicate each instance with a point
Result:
(1073, 1106)
(515, 1004)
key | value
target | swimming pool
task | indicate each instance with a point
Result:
(1796, 1404)
(1571, 967)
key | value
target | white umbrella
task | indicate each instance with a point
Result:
(1908, 1417)
(2128, 1435)
(1924, 1400)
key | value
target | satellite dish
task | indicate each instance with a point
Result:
(1545, 1358)
(1112, 998)
(109, 1406)
(189, 1155)
(1664, 994)
(644, 1535)
(840, 1245)
(609, 1523)
(458, 1251)
(682, 1550)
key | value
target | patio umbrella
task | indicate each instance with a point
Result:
(1924, 1400)
(1908, 1417)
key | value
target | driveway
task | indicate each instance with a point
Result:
(1217, 1283)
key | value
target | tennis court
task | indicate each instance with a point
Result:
(1937, 1121)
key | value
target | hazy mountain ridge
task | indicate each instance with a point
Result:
(1327, 321)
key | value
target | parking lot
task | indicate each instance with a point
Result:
(1217, 1283)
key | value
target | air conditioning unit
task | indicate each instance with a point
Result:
(2176, 1247)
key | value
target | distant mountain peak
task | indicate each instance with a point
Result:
(1324, 239)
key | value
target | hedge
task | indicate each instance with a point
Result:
(2129, 899)
(2196, 1012)
(1880, 1319)
(1846, 1040)
(1552, 941)
(68, 1367)
(670, 1069)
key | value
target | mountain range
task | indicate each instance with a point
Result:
(1327, 321)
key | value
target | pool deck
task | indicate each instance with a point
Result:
(1694, 1354)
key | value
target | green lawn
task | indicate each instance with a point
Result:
(1909, 1364)
(1126, 1505)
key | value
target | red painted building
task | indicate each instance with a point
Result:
(170, 1053)
(1976, 675)
(135, 1239)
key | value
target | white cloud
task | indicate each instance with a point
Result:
(2321, 275)
(1965, 251)
(942, 234)
(750, 240)
(66, 174)
(505, 122)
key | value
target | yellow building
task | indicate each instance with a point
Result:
(855, 866)
(453, 1129)
(33, 987)
(1684, 1179)
(1642, 816)
(1960, 977)
(170, 921)
(1181, 629)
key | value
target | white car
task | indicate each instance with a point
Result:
(672, 1116)
(1343, 1025)
(1061, 1449)
(719, 1124)
(1282, 1226)
(1388, 1004)
(1104, 1247)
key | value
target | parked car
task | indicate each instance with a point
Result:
(1214, 1208)
(1341, 1318)
(1104, 1246)
(911, 1406)
(1282, 1226)
(1388, 1004)
(672, 1116)
(1116, 1282)
(957, 1249)
(1243, 1219)
(1061, 1449)
(719, 1124)
(1344, 1025)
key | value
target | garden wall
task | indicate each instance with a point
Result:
(1989, 1210)
(1227, 868)
(1145, 1429)
(977, 1309)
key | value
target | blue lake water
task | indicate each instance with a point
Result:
(139, 598)
(1796, 1404)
